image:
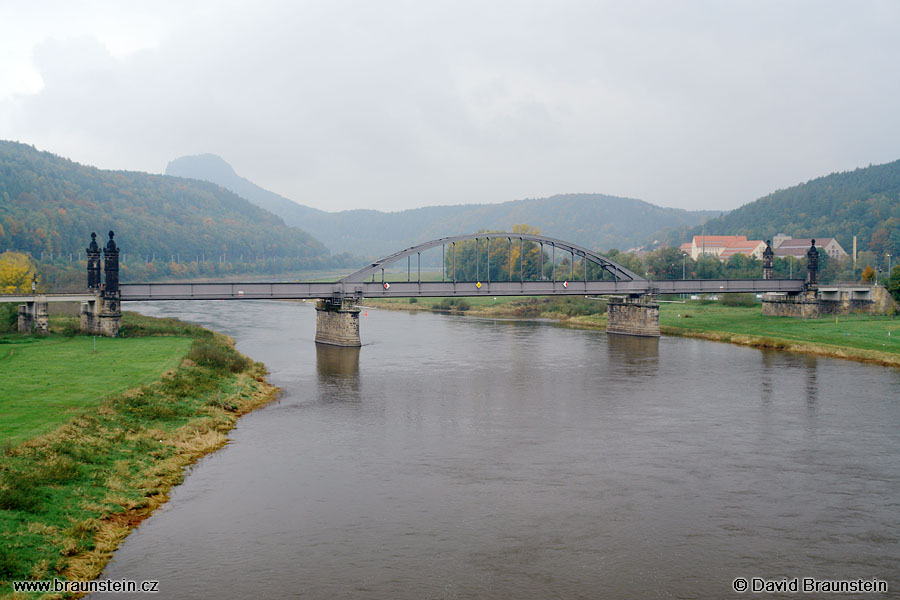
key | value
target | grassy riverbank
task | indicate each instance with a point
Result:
(874, 339)
(78, 471)
(857, 337)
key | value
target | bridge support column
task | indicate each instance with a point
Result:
(90, 316)
(34, 315)
(804, 305)
(337, 323)
(633, 315)
(110, 316)
(102, 316)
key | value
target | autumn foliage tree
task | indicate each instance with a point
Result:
(868, 274)
(16, 271)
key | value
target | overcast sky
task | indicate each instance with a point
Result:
(393, 105)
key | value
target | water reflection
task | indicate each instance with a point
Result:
(768, 367)
(637, 356)
(338, 372)
(812, 383)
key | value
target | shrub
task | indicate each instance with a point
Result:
(18, 491)
(413, 300)
(8, 566)
(219, 357)
(9, 315)
(738, 299)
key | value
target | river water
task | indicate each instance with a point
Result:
(454, 457)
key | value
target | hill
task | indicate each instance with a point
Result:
(864, 202)
(49, 205)
(593, 220)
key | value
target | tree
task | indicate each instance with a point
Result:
(16, 271)
(709, 267)
(868, 274)
(893, 285)
(664, 263)
(510, 259)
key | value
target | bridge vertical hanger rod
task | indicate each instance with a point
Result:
(509, 253)
(553, 263)
(419, 267)
(454, 262)
(382, 276)
(521, 260)
(408, 276)
(489, 261)
(584, 264)
(541, 274)
(573, 265)
(477, 278)
(443, 265)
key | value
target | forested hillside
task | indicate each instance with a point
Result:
(49, 206)
(593, 220)
(864, 203)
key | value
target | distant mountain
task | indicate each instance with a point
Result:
(50, 205)
(594, 220)
(864, 202)
(209, 167)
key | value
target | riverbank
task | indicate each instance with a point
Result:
(864, 338)
(78, 472)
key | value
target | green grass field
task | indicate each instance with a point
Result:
(93, 442)
(47, 380)
(852, 331)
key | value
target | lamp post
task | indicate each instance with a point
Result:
(33, 283)
(889, 265)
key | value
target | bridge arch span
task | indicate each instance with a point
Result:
(618, 272)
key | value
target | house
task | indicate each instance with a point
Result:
(723, 247)
(798, 247)
(751, 248)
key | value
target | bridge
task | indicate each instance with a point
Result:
(633, 308)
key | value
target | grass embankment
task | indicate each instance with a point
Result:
(857, 337)
(104, 457)
(874, 339)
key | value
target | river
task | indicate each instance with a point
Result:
(455, 457)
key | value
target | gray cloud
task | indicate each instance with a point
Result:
(393, 105)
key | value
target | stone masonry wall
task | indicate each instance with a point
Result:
(798, 306)
(337, 325)
(633, 316)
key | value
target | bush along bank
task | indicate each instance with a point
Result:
(69, 497)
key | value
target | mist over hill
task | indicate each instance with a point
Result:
(596, 221)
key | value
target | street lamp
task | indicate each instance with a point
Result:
(33, 282)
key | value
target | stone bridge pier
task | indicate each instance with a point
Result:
(103, 316)
(633, 315)
(34, 315)
(337, 322)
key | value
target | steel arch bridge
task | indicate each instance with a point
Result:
(370, 281)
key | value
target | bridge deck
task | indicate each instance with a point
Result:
(26, 298)
(310, 291)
